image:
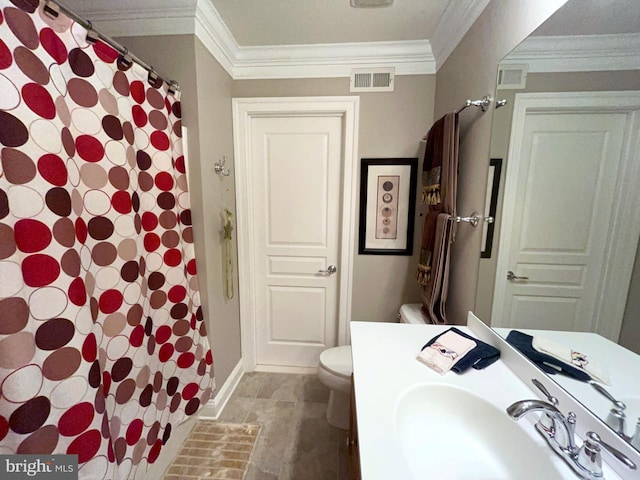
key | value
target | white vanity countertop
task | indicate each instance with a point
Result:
(385, 366)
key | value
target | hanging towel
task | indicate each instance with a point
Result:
(440, 164)
(443, 352)
(479, 357)
(439, 179)
(547, 363)
(568, 355)
(434, 293)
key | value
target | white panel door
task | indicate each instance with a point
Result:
(561, 207)
(296, 178)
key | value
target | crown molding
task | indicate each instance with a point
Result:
(332, 60)
(578, 53)
(454, 24)
(137, 22)
(214, 34)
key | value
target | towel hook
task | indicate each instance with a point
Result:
(218, 167)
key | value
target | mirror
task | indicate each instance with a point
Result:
(567, 217)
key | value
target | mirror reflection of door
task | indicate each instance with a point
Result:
(565, 198)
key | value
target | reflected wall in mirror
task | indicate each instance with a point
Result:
(568, 218)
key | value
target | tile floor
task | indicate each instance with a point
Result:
(295, 442)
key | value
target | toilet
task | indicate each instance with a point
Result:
(335, 369)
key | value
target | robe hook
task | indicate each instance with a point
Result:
(218, 167)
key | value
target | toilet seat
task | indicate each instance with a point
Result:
(338, 361)
(334, 371)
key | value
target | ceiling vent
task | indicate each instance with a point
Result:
(513, 77)
(372, 80)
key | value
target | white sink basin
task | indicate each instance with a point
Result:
(448, 433)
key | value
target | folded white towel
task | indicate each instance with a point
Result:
(443, 354)
(572, 357)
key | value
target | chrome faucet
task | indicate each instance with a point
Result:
(561, 429)
(559, 432)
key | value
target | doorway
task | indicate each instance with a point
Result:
(296, 174)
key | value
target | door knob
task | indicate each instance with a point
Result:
(513, 276)
(331, 269)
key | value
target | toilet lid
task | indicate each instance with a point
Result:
(338, 361)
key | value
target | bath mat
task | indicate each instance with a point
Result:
(215, 451)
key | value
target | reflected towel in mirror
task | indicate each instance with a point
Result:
(568, 355)
(547, 363)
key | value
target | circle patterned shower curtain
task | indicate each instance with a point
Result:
(103, 348)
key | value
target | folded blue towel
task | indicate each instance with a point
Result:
(478, 358)
(547, 363)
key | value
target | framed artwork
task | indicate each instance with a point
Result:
(387, 205)
(491, 203)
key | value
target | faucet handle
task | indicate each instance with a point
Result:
(616, 420)
(553, 400)
(571, 431)
(635, 438)
(589, 454)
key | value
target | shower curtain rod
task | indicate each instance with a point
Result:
(483, 103)
(54, 8)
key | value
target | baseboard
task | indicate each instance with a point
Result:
(284, 369)
(214, 407)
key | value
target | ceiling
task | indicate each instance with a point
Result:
(593, 17)
(329, 38)
(584, 35)
(297, 22)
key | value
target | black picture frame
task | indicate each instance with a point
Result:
(491, 204)
(387, 220)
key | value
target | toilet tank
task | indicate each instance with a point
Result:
(411, 313)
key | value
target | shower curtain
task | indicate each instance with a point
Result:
(103, 348)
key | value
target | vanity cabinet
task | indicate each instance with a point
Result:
(353, 454)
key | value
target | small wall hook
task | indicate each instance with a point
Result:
(218, 167)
